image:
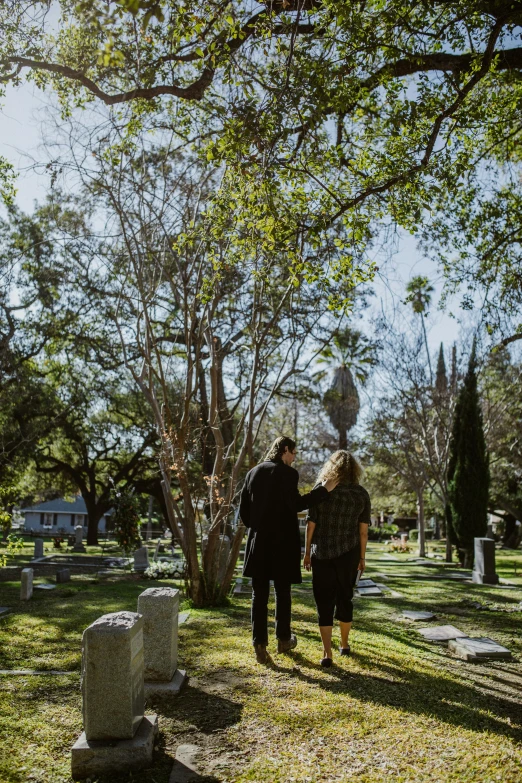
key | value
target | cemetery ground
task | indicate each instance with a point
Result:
(400, 709)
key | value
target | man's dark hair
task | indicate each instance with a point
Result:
(277, 449)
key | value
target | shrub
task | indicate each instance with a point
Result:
(126, 521)
(414, 535)
(380, 533)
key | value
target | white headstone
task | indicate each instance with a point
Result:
(159, 607)
(112, 676)
(26, 586)
(141, 559)
(78, 535)
(38, 548)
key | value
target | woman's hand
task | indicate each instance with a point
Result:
(307, 562)
(362, 565)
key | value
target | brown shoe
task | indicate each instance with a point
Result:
(262, 655)
(284, 646)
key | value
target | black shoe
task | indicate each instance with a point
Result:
(344, 650)
(326, 662)
(284, 646)
(262, 655)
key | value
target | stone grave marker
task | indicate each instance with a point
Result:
(117, 735)
(441, 633)
(418, 615)
(78, 539)
(4, 610)
(45, 586)
(471, 649)
(26, 584)
(38, 549)
(63, 575)
(484, 564)
(159, 607)
(369, 591)
(366, 583)
(141, 559)
(183, 617)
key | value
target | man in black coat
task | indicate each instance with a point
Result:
(270, 501)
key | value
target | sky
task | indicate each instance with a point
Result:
(22, 115)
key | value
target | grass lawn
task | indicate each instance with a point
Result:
(398, 710)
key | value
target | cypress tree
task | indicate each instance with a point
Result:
(441, 379)
(468, 469)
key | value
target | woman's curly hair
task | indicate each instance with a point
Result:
(343, 466)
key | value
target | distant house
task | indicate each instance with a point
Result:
(60, 516)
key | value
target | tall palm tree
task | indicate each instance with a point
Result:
(419, 291)
(350, 354)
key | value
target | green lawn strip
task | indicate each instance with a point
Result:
(399, 710)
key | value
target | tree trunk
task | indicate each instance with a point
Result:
(149, 519)
(343, 440)
(449, 549)
(92, 526)
(421, 523)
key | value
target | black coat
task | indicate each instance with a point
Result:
(270, 501)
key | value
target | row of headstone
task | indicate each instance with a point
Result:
(126, 656)
(27, 582)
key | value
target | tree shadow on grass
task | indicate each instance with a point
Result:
(197, 708)
(413, 691)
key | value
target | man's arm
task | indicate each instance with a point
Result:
(307, 561)
(244, 505)
(299, 502)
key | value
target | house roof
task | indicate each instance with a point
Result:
(59, 506)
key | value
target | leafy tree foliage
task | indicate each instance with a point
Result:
(317, 111)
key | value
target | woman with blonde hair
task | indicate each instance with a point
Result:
(336, 538)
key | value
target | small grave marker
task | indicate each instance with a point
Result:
(118, 737)
(45, 587)
(159, 608)
(369, 591)
(442, 633)
(480, 649)
(418, 615)
(141, 559)
(63, 575)
(26, 584)
(4, 610)
(484, 563)
(38, 549)
(78, 539)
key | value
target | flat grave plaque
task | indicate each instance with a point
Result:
(45, 587)
(370, 591)
(442, 633)
(366, 583)
(478, 649)
(4, 610)
(418, 615)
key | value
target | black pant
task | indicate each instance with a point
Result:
(333, 583)
(260, 595)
